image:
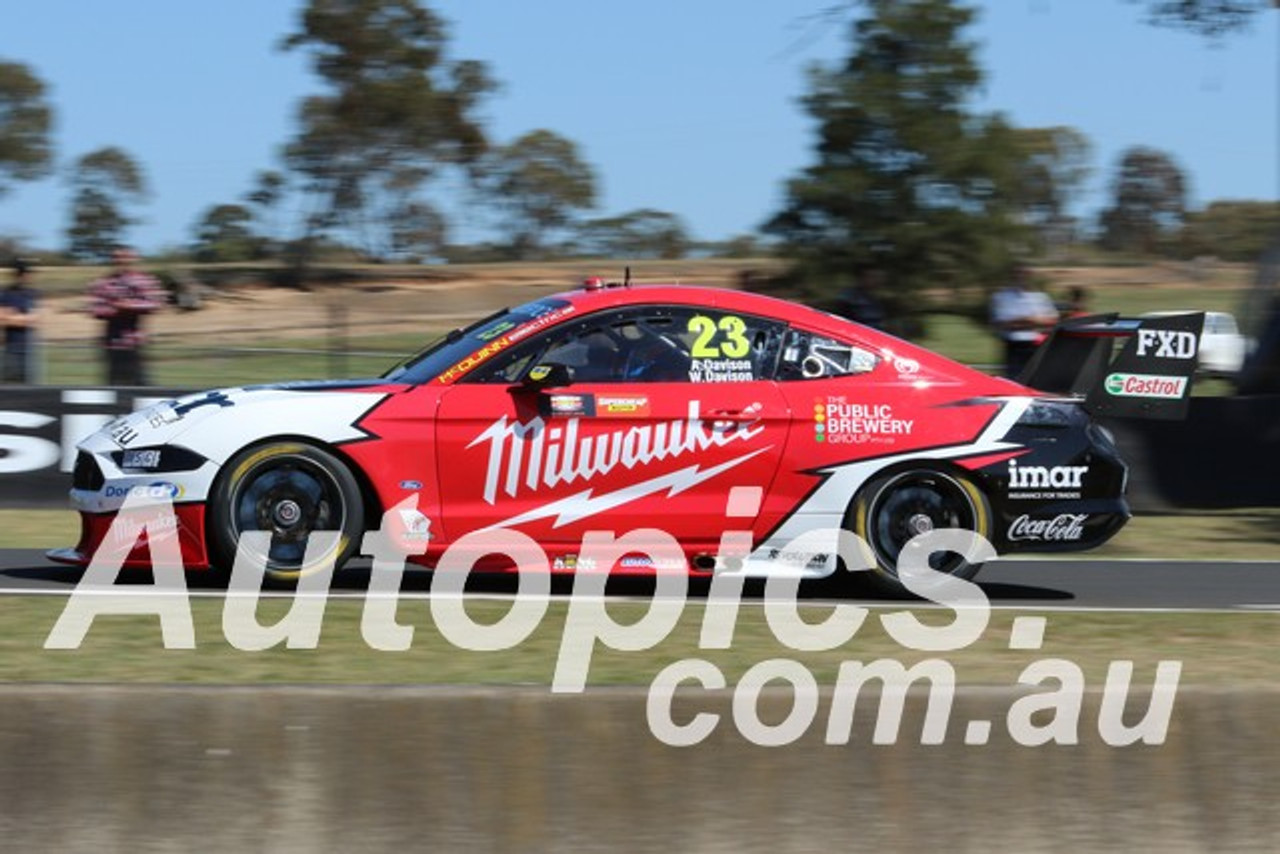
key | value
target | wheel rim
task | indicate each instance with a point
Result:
(290, 496)
(915, 503)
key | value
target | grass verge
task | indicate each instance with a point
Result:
(1215, 649)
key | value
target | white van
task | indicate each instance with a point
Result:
(1222, 347)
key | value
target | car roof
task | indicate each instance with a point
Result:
(793, 313)
(586, 302)
(709, 297)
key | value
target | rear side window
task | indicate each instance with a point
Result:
(809, 356)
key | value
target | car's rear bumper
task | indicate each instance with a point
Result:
(1069, 526)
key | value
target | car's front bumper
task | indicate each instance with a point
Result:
(121, 541)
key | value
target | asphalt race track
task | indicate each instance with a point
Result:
(1066, 584)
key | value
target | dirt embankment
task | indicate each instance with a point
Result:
(443, 296)
(450, 295)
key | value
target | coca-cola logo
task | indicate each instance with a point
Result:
(1063, 528)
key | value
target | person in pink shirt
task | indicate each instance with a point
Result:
(121, 300)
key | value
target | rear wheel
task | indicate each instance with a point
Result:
(895, 508)
(290, 489)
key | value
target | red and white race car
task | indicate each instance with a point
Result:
(690, 410)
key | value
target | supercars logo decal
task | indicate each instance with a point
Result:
(622, 406)
(532, 455)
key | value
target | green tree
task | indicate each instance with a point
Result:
(225, 233)
(907, 181)
(265, 198)
(737, 246)
(395, 113)
(1231, 230)
(26, 119)
(1053, 166)
(104, 183)
(419, 232)
(644, 233)
(539, 182)
(1213, 18)
(1149, 196)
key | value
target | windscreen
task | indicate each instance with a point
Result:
(461, 350)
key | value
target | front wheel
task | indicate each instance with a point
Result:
(895, 508)
(290, 489)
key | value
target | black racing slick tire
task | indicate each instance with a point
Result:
(898, 506)
(290, 489)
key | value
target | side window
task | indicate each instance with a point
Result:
(808, 356)
(670, 344)
(507, 370)
(595, 354)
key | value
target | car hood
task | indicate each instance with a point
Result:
(218, 422)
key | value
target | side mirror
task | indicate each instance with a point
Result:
(548, 375)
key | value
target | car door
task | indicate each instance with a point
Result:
(668, 410)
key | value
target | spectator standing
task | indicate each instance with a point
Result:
(18, 315)
(1021, 315)
(121, 300)
(1077, 304)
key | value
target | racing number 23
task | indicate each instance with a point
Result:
(733, 341)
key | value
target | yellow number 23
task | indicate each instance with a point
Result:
(733, 342)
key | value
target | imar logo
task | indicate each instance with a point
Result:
(1044, 477)
(1167, 343)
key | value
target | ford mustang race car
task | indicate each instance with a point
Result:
(614, 408)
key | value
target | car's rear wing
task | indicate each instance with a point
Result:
(1149, 377)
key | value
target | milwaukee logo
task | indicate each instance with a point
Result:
(533, 456)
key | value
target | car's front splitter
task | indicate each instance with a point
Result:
(105, 537)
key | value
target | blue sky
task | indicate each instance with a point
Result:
(687, 106)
